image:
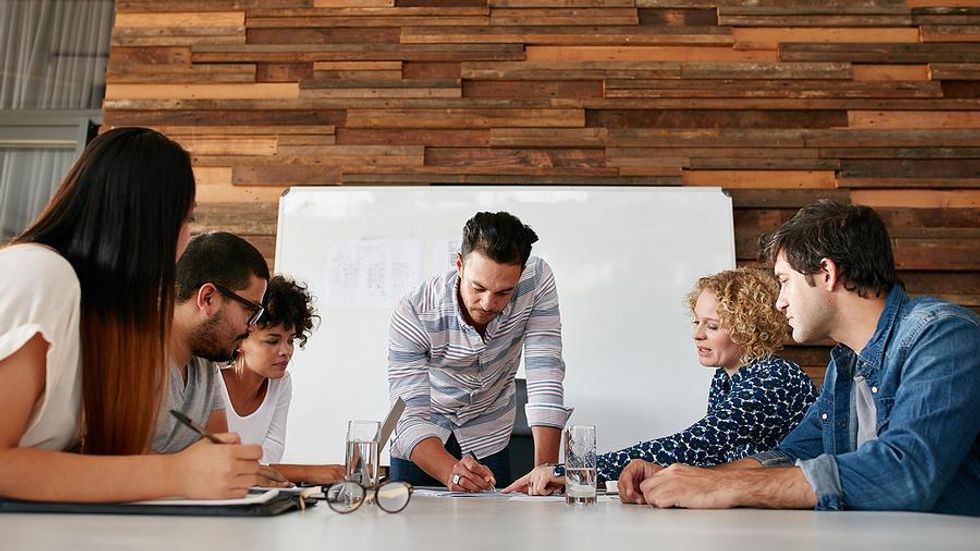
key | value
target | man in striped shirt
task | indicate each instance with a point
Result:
(454, 349)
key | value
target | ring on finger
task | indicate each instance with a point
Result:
(456, 478)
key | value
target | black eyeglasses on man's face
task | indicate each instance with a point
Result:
(256, 309)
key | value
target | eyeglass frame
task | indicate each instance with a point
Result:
(373, 495)
(256, 309)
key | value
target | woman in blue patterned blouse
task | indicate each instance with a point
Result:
(755, 399)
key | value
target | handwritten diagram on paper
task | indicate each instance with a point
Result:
(372, 273)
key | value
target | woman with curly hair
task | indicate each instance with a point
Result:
(257, 388)
(755, 399)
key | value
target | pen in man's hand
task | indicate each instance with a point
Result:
(186, 421)
(488, 478)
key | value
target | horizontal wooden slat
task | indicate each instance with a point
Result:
(519, 88)
(464, 118)
(563, 16)
(286, 90)
(784, 198)
(846, 137)
(646, 53)
(955, 71)
(769, 89)
(705, 137)
(921, 198)
(285, 53)
(881, 53)
(913, 119)
(544, 35)
(548, 137)
(565, 70)
(714, 118)
(870, 72)
(770, 38)
(125, 20)
(761, 179)
(444, 138)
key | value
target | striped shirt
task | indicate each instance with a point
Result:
(454, 381)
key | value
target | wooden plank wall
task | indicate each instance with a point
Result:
(781, 102)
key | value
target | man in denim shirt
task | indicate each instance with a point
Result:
(897, 425)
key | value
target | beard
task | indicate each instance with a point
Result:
(209, 341)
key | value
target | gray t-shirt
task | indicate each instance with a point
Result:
(197, 399)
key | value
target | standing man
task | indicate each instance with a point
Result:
(896, 426)
(454, 348)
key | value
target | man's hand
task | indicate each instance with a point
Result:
(636, 471)
(681, 485)
(541, 481)
(468, 475)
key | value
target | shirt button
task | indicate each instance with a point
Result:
(823, 416)
(874, 390)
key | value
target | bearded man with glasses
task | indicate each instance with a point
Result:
(221, 281)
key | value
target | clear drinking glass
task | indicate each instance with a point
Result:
(580, 464)
(361, 463)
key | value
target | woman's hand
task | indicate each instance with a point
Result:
(207, 470)
(541, 481)
(324, 474)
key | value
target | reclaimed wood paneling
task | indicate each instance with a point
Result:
(873, 102)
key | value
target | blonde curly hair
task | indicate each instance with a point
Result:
(747, 309)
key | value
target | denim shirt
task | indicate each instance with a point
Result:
(923, 367)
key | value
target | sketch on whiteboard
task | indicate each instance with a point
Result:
(443, 256)
(372, 273)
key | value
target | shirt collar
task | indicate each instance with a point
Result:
(874, 352)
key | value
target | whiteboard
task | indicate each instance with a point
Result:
(624, 259)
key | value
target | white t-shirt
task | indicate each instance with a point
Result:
(267, 424)
(41, 294)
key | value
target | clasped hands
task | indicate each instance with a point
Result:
(678, 485)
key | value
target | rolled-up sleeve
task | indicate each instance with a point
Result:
(543, 364)
(408, 378)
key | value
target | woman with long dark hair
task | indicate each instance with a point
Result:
(85, 312)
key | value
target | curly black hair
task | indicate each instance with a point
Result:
(291, 304)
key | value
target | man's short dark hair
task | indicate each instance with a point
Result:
(854, 237)
(221, 258)
(499, 236)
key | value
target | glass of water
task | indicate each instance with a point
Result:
(580, 464)
(361, 463)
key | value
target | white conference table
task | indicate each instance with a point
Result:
(432, 523)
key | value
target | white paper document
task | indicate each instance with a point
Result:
(251, 498)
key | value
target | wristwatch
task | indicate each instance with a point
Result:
(557, 469)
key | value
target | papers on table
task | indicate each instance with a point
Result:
(251, 499)
(428, 492)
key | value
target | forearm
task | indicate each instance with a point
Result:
(314, 474)
(773, 488)
(546, 443)
(431, 456)
(746, 463)
(42, 475)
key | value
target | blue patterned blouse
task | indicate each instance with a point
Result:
(748, 413)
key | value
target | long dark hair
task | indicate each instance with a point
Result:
(116, 218)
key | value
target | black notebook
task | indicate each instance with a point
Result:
(259, 503)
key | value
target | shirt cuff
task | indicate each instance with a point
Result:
(773, 458)
(547, 415)
(824, 477)
(406, 440)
